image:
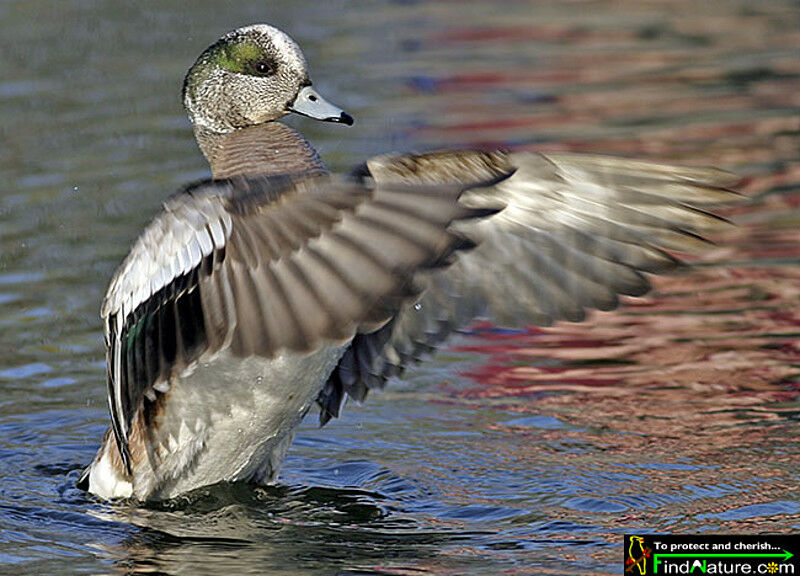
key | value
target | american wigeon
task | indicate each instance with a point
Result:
(276, 284)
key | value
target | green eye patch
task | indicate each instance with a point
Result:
(241, 57)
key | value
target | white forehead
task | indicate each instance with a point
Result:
(281, 42)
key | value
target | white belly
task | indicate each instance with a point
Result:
(230, 419)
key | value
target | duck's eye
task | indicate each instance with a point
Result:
(264, 68)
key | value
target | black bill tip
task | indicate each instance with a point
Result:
(346, 119)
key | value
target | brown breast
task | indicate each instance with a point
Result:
(270, 148)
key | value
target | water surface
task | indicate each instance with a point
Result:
(527, 452)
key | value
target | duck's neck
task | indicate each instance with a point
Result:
(271, 148)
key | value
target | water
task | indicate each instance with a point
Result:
(513, 452)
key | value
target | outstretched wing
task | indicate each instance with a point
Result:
(575, 232)
(262, 265)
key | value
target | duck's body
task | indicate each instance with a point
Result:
(276, 285)
(226, 419)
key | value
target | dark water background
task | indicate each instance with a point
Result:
(511, 453)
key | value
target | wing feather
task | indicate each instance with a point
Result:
(261, 266)
(575, 232)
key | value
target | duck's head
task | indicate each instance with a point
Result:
(250, 76)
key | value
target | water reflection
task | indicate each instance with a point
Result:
(277, 530)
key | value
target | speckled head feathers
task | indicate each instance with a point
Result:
(249, 76)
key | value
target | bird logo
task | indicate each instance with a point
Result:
(636, 562)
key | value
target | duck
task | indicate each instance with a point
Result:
(276, 285)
